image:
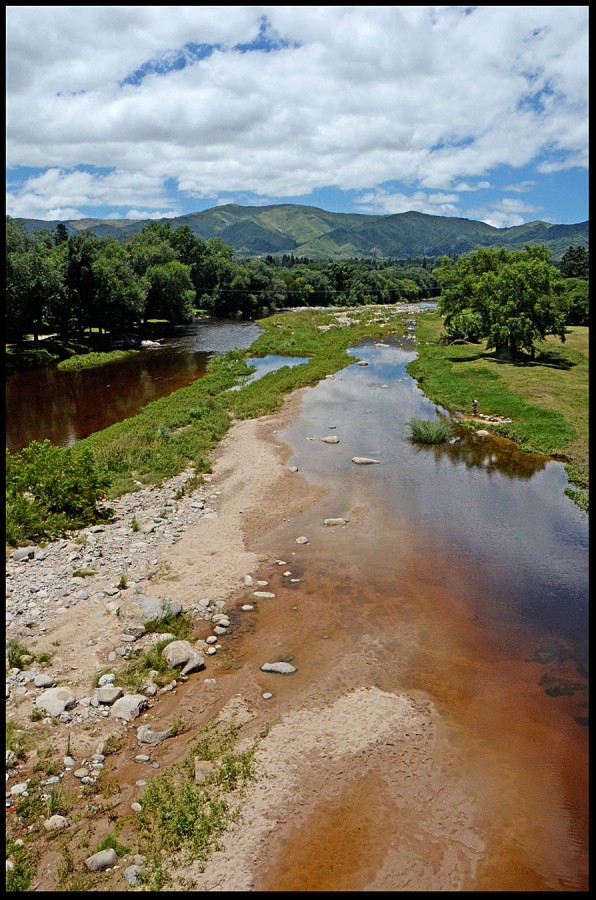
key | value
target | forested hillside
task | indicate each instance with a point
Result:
(317, 234)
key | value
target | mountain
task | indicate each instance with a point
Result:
(317, 234)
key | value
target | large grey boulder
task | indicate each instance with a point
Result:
(281, 668)
(101, 860)
(141, 608)
(146, 735)
(129, 707)
(182, 654)
(56, 700)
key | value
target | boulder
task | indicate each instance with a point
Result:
(129, 707)
(182, 654)
(142, 608)
(56, 700)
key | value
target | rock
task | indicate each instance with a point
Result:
(335, 522)
(143, 608)
(129, 707)
(203, 767)
(364, 460)
(23, 553)
(54, 823)
(183, 654)
(332, 439)
(109, 695)
(302, 540)
(43, 681)
(56, 700)
(145, 735)
(281, 668)
(132, 874)
(263, 595)
(101, 860)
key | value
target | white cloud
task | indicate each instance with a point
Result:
(353, 97)
(383, 202)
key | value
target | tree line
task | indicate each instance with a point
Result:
(71, 285)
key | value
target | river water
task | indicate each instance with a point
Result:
(462, 575)
(65, 406)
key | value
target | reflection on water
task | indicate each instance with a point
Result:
(271, 363)
(65, 406)
(498, 507)
(468, 565)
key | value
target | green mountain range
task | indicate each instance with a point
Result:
(306, 231)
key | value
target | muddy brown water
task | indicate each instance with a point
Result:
(461, 576)
(65, 406)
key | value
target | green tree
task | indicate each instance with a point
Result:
(578, 292)
(82, 251)
(119, 294)
(60, 233)
(519, 297)
(17, 279)
(193, 252)
(575, 263)
(170, 293)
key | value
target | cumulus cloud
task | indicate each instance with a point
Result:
(152, 107)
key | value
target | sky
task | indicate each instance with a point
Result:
(142, 112)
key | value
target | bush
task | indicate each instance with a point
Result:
(427, 431)
(50, 491)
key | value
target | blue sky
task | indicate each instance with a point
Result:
(152, 111)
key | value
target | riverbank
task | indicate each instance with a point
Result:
(358, 753)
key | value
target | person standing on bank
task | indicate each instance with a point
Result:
(474, 407)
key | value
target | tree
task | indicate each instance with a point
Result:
(578, 292)
(171, 293)
(82, 251)
(517, 297)
(60, 234)
(575, 263)
(119, 294)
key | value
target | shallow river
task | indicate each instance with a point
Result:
(462, 576)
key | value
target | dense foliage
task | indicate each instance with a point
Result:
(82, 284)
(511, 299)
(50, 491)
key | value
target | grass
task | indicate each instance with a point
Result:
(17, 655)
(182, 821)
(547, 398)
(92, 359)
(20, 875)
(16, 739)
(147, 666)
(428, 431)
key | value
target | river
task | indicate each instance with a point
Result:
(461, 575)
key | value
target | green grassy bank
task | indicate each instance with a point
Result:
(546, 398)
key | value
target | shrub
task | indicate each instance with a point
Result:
(16, 654)
(50, 491)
